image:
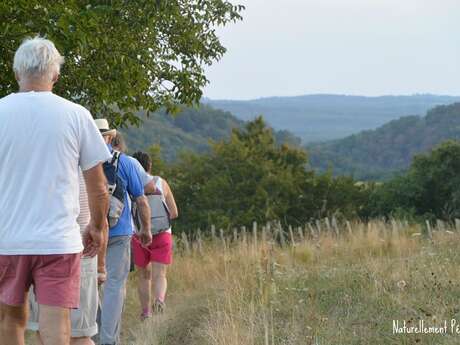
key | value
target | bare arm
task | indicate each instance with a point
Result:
(101, 254)
(98, 196)
(172, 207)
(98, 199)
(143, 207)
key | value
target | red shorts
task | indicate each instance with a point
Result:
(56, 279)
(160, 250)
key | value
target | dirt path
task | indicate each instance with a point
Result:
(178, 326)
(183, 326)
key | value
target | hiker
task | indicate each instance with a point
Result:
(129, 184)
(152, 261)
(44, 139)
(119, 144)
(83, 319)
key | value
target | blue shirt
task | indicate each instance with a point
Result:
(131, 176)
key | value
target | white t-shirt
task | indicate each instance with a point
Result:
(44, 139)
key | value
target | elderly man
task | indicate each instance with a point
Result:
(119, 244)
(44, 141)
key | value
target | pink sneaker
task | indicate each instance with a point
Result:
(146, 314)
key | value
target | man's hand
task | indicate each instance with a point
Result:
(101, 275)
(93, 239)
(145, 237)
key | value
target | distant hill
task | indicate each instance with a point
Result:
(316, 118)
(377, 154)
(190, 129)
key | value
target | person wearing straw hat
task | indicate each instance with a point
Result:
(105, 129)
(119, 243)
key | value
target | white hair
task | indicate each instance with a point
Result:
(37, 58)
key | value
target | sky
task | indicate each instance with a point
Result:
(355, 47)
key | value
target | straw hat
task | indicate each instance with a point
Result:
(104, 128)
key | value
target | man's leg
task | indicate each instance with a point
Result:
(83, 320)
(81, 341)
(159, 284)
(118, 262)
(144, 288)
(37, 339)
(57, 291)
(73, 341)
(13, 323)
(54, 325)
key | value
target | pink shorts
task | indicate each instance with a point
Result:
(56, 279)
(160, 250)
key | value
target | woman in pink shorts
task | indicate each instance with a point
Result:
(153, 260)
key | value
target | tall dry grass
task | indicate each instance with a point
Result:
(328, 287)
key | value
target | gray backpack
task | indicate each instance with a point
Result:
(160, 219)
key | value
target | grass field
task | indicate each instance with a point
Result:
(323, 289)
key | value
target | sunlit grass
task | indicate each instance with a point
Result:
(323, 290)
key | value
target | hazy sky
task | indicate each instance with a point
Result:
(365, 47)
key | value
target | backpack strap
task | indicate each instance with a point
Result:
(159, 191)
(158, 184)
(115, 159)
(114, 162)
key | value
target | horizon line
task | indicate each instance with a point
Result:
(329, 94)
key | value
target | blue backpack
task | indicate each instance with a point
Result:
(117, 189)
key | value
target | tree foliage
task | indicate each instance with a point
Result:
(121, 55)
(429, 189)
(191, 129)
(250, 178)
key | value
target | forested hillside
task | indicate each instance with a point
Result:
(316, 118)
(377, 154)
(250, 177)
(190, 129)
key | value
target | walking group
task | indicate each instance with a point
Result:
(74, 208)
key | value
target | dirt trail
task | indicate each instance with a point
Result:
(178, 326)
(182, 327)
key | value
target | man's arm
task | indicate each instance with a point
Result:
(101, 270)
(98, 200)
(143, 207)
(134, 175)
